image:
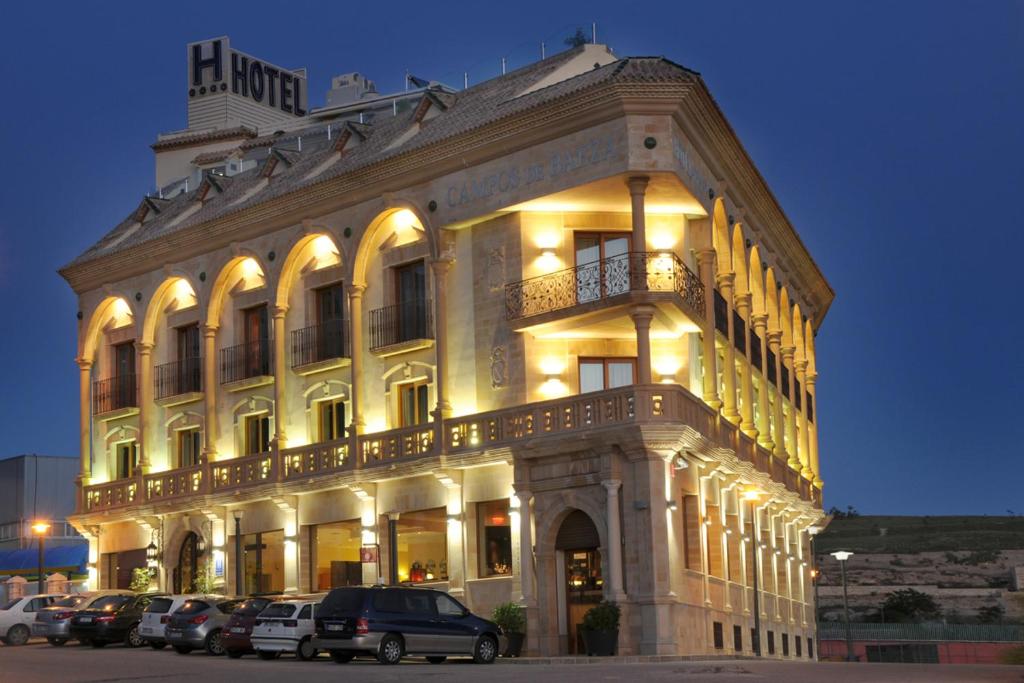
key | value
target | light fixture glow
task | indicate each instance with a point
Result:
(40, 528)
(842, 555)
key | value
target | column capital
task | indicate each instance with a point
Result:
(84, 363)
(774, 337)
(355, 290)
(281, 310)
(642, 313)
(811, 379)
(706, 256)
(612, 485)
(787, 351)
(800, 365)
(638, 184)
(210, 330)
(146, 348)
(523, 494)
(742, 301)
(759, 321)
(441, 265)
(725, 281)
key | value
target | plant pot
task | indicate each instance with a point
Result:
(600, 643)
(513, 644)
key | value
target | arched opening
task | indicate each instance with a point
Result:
(580, 580)
(187, 569)
(244, 326)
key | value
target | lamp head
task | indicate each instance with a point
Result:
(842, 555)
(40, 528)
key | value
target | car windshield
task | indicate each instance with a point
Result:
(70, 601)
(9, 604)
(193, 607)
(278, 610)
(343, 600)
(229, 606)
(110, 603)
(252, 607)
(160, 606)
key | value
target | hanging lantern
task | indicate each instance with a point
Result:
(151, 555)
(200, 545)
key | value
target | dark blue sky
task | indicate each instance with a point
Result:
(890, 132)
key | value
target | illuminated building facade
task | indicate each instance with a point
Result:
(536, 340)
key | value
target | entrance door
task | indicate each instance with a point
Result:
(188, 562)
(579, 544)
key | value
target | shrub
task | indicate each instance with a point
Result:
(141, 579)
(509, 616)
(602, 617)
(203, 583)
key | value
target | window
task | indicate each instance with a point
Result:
(257, 434)
(331, 418)
(598, 374)
(413, 404)
(330, 313)
(785, 644)
(127, 459)
(495, 539)
(263, 562)
(256, 330)
(771, 642)
(810, 647)
(691, 533)
(737, 638)
(446, 606)
(306, 612)
(423, 546)
(799, 646)
(411, 301)
(124, 376)
(188, 342)
(716, 628)
(609, 274)
(336, 554)
(189, 447)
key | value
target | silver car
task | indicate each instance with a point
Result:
(54, 622)
(156, 617)
(198, 623)
(286, 626)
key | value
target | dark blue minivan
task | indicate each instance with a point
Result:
(391, 622)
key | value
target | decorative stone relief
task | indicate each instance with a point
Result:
(499, 367)
(496, 269)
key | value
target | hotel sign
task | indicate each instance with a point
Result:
(214, 68)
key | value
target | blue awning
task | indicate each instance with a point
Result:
(66, 558)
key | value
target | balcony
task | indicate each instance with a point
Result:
(247, 365)
(178, 382)
(402, 327)
(483, 438)
(115, 397)
(320, 347)
(636, 277)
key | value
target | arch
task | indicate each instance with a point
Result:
(798, 333)
(757, 296)
(318, 245)
(565, 502)
(221, 284)
(577, 531)
(111, 308)
(771, 300)
(361, 259)
(785, 319)
(739, 260)
(720, 236)
(172, 286)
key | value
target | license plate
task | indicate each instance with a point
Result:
(145, 629)
(335, 627)
(85, 620)
(238, 629)
(172, 632)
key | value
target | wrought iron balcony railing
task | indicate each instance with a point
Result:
(115, 393)
(318, 343)
(252, 359)
(180, 377)
(604, 279)
(402, 322)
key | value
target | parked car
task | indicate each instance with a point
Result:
(17, 615)
(391, 622)
(285, 626)
(111, 619)
(199, 623)
(237, 632)
(54, 622)
(156, 617)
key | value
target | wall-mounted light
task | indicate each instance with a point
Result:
(672, 505)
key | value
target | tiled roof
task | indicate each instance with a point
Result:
(202, 137)
(466, 111)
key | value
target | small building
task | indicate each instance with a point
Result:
(921, 643)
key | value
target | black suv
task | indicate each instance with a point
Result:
(111, 619)
(389, 622)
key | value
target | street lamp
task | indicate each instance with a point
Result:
(40, 529)
(843, 556)
(239, 587)
(752, 495)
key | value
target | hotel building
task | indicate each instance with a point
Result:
(547, 339)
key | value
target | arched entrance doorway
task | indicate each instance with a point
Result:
(188, 564)
(580, 584)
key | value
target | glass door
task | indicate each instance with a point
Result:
(602, 265)
(330, 311)
(410, 297)
(257, 335)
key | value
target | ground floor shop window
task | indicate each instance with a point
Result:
(422, 546)
(495, 538)
(263, 562)
(336, 554)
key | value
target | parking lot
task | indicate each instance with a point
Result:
(38, 663)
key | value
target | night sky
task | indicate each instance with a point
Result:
(890, 133)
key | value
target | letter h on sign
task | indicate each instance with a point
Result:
(199, 64)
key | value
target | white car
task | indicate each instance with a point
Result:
(285, 626)
(17, 615)
(157, 614)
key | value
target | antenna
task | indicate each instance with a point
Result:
(328, 132)
(394, 107)
(465, 80)
(593, 32)
(502, 66)
(406, 80)
(300, 143)
(360, 117)
(542, 46)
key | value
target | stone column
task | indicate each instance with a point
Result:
(355, 311)
(774, 343)
(725, 282)
(210, 383)
(802, 441)
(759, 321)
(642, 316)
(527, 599)
(456, 543)
(85, 420)
(812, 435)
(280, 378)
(706, 266)
(747, 385)
(441, 267)
(787, 359)
(145, 404)
(637, 189)
(615, 590)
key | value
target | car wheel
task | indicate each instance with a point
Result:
(390, 650)
(436, 660)
(486, 650)
(98, 643)
(57, 642)
(235, 654)
(267, 655)
(133, 639)
(157, 644)
(182, 649)
(341, 657)
(18, 635)
(305, 651)
(214, 646)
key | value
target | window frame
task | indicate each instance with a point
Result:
(605, 361)
(264, 434)
(193, 434)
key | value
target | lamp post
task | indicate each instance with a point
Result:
(40, 529)
(843, 556)
(752, 495)
(239, 588)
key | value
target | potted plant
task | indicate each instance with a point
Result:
(141, 579)
(509, 616)
(600, 629)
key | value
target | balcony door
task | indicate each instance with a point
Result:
(124, 375)
(189, 367)
(330, 312)
(411, 301)
(602, 265)
(257, 334)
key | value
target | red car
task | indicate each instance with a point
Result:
(236, 633)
